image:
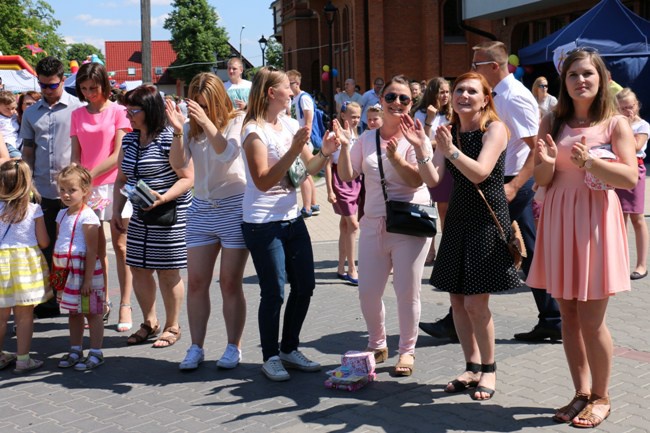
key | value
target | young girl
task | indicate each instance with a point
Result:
(344, 197)
(23, 270)
(375, 117)
(76, 248)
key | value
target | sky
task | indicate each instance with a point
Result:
(95, 21)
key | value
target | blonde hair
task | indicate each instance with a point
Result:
(16, 189)
(258, 99)
(494, 50)
(536, 85)
(78, 173)
(220, 108)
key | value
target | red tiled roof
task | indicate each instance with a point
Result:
(122, 55)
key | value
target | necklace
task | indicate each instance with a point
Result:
(582, 121)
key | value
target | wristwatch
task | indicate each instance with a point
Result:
(454, 156)
(588, 162)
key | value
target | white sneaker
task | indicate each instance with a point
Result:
(298, 361)
(193, 358)
(274, 370)
(230, 358)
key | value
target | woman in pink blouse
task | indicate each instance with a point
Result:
(96, 132)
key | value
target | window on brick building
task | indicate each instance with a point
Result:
(452, 31)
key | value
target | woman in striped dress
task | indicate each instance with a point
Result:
(152, 153)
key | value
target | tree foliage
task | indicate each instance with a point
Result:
(196, 37)
(80, 51)
(29, 22)
(274, 55)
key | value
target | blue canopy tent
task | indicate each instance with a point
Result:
(619, 35)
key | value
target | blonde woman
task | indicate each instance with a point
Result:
(545, 101)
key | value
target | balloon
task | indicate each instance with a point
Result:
(325, 76)
(326, 68)
(528, 69)
(511, 68)
(519, 72)
(513, 60)
(335, 72)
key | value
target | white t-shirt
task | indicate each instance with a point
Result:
(9, 128)
(66, 223)
(518, 109)
(218, 176)
(280, 202)
(363, 156)
(641, 127)
(306, 103)
(22, 234)
(239, 91)
(440, 119)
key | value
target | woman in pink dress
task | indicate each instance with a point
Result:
(581, 253)
(96, 133)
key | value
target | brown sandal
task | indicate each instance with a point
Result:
(140, 337)
(572, 409)
(170, 336)
(588, 415)
(404, 366)
(381, 355)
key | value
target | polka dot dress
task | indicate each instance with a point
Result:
(473, 257)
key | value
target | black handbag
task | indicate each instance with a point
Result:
(163, 215)
(406, 218)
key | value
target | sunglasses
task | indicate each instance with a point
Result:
(391, 97)
(543, 86)
(133, 112)
(475, 65)
(51, 86)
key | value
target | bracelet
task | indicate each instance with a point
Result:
(423, 160)
(428, 124)
(177, 135)
(320, 153)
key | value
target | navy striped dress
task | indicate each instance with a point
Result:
(149, 246)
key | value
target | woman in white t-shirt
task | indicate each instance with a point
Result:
(274, 231)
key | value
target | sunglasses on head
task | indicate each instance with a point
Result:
(391, 97)
(51, 86)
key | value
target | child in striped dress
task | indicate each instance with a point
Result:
(23, 270)
(76, 248)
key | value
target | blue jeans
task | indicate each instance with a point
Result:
(521, 210)
(281, 252)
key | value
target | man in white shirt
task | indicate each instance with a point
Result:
(348, 94)
(370, 98)
(238, 89)
(304, 113)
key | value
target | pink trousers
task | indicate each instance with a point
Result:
(380, 251)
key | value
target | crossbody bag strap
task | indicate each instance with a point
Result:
(5, 233)
(381, 167)
(494, 217)
(74, 226)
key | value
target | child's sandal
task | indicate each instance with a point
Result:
(6, 359)
(93, 360)
(71, 359)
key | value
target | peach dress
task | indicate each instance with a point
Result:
(581, 250)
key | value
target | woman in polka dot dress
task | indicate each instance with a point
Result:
(473, 259)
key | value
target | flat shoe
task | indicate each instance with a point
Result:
(23, 367)
(588, 415)
(353, 281)
(6, 358)
(136, 338)
(572, 409)
(170, 336)
(343, 277)
(637, 276)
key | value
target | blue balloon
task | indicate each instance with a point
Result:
(334, 72)
(519, 72)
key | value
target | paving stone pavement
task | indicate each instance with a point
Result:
(140, 389)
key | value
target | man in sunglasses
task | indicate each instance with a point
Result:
(45, 131)
(518, 109)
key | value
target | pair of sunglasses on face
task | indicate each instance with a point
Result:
(403, 99)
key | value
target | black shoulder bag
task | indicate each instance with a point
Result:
(406, 218)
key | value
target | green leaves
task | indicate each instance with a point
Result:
(196, 38)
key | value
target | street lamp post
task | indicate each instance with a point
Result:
(263, 42)
(330, 16)
(240, 32)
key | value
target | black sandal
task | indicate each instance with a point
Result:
(486, 368)
(138, 338)
(459, 385)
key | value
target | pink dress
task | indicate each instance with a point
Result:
(581, 250)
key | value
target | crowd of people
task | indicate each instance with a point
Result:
(217, 176)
